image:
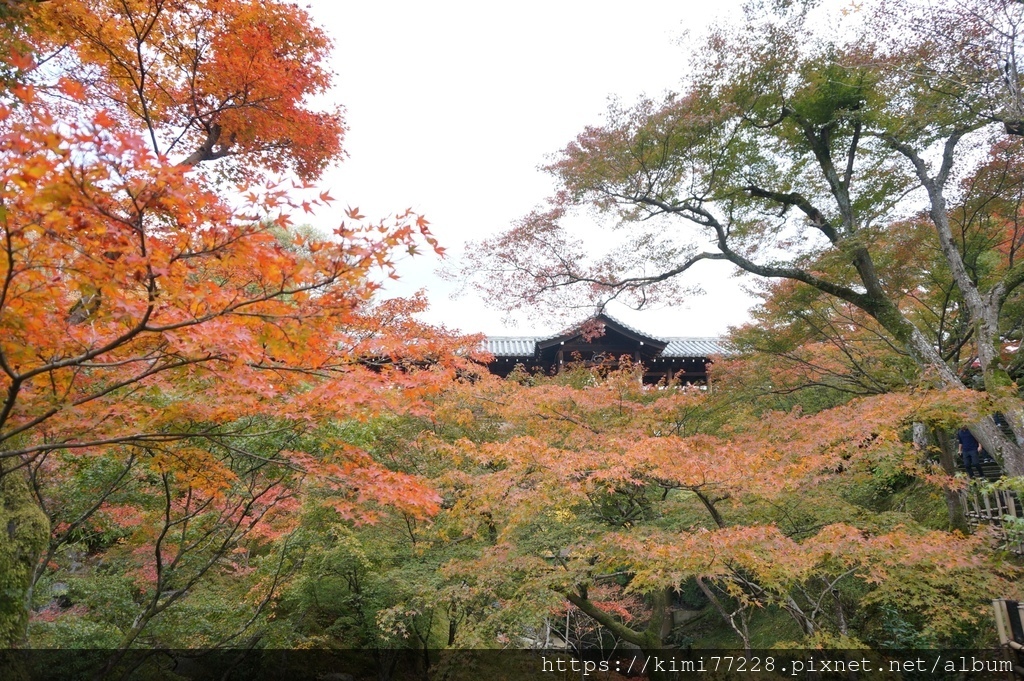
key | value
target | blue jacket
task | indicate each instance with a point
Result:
(967, 440)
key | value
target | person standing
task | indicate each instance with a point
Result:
(969, 452)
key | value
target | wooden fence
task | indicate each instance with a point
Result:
(998, 509)
(1009, 616)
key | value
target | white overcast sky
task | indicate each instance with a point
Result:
(452, 106)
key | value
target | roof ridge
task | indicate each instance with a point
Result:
(489, 337)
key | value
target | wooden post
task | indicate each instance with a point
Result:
(1008, 625)
(988, 507)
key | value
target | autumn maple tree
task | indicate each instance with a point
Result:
(164, 323)
(796, 153)
(202, 81)
(213, 403)
(590, 495)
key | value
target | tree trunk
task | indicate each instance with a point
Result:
(650, 640)
(1009, 454)
(984, 309)
(943, 443)
(737, 620)
(994, 440)
(24, 534)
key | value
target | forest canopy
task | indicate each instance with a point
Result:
(215, 433)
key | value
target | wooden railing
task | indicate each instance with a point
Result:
(994, 508)
(1009, 617)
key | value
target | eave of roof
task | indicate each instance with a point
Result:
(511, 346)
(676, 347)
(704, 346)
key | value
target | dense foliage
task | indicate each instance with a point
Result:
(825, 147)
(214, 434)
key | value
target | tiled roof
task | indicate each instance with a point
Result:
(695, 347)
(525, 346)
(511, 346)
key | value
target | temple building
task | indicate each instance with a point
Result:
(602, 339)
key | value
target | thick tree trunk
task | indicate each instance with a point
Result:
(1007, 451)
(931, 440)
(984, 309)
(24, 534)
(650, 640)
(1009, 454)
(947, 459)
